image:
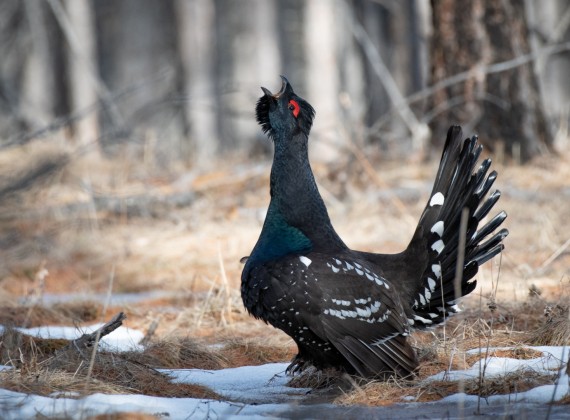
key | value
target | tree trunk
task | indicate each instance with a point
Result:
(502, 107)
(38, 95)
(82, 71)
(195, 40)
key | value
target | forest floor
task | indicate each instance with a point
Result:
(101, 238)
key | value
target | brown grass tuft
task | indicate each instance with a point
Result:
(564, 401)
(317, 379)
(17, 349)
(57, 314)
(249, 352)
(131, 375)
(43, 366)
(377, 393)
(556, 330)
(179, 353)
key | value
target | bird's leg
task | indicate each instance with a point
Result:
(298, 365)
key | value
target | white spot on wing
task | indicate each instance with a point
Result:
(431, 284)
(305, 260)
(425, 321)
(437, 200)
(438, 228)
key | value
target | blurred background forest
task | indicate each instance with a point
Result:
(112, 110)
(178, 79)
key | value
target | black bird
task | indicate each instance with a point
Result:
(349, 309)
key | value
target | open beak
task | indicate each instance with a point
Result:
(284, 86)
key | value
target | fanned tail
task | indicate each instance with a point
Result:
(457, 186)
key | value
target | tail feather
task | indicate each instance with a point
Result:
(458, 185)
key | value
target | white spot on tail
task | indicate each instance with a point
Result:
(305, 260)
(437, 200)
(436, 268)
(438, 228)
(431, 284)
(422, 299)
(438, 246)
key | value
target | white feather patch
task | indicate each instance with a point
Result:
(431, 284)
(436, 268)
(438, 246)
(437, 200)
(305, 260)
(438, 228)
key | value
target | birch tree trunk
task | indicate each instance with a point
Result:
(322, 76)
(196, 38)
(38, 94)
(81, 72)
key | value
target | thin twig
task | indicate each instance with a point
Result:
(369, 169)
(226, 289)
(114, 324)
(420, 131)
(457, 284)
(555, 255)
(468, 74)
(486, 70)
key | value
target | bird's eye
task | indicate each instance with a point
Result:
(294, 107)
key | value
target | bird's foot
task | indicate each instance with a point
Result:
(298, 365)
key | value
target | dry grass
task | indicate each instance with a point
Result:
(58, 314)
(515, 325)
(179, 353)
(556, 330)
(47, 366)
(194, 251)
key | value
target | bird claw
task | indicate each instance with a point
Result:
(298, 365)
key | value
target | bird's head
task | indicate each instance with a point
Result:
(284, 112)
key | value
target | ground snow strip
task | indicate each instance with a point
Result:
(264, 385)
(17, 406)
(552, 360)
(262, 392)
(122, 339)
(249, 384)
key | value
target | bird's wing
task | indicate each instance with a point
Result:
(342, 301)
(363, 317)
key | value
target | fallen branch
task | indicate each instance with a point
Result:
(88, 340)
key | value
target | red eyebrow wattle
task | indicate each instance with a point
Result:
(296, 107)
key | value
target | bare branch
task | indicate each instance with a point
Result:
(420, 132)
(88, 340)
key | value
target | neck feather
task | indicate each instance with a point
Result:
(295, 197)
